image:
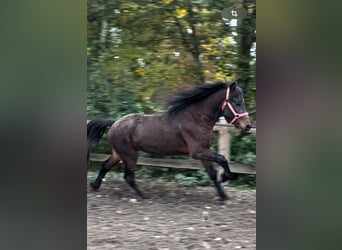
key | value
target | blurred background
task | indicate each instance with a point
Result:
(141, 52)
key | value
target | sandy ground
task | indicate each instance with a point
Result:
(173, 218)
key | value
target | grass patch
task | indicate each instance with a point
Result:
(184, 177)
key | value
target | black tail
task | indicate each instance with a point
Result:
(95, 130)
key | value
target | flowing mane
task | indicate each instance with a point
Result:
(189, 97)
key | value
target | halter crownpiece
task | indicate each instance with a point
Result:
(227, 103)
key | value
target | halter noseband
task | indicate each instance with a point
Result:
(227, 103)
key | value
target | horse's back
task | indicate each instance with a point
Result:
(156, 134)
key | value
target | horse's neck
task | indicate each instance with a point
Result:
(209, 109)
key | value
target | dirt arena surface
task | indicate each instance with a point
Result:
(173, 218)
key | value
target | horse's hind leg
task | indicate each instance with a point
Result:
(215, 176)
(130, 167)
(106, 166)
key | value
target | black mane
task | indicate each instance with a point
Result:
(198, 93)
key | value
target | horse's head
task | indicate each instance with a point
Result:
(234, 110)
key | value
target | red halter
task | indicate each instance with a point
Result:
(227, 103)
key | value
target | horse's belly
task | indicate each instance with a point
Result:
(164, 150)
(161, 144)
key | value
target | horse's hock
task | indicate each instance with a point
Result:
(223, 130)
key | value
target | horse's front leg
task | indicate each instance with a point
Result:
(207, 155)
(215, 176)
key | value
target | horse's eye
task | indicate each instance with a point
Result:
(237, 102)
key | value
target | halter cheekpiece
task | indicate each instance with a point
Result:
(227, 103)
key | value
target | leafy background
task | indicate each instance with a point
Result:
(140, 52)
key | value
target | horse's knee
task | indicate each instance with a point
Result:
(220, 159)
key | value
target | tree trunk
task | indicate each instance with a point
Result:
(246, 36)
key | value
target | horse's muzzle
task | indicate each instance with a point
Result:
(247, 128)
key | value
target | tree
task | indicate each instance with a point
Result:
(140, 51)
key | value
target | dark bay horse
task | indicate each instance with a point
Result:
(185, 128)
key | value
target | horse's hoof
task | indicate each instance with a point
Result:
(144, 196)
(94, 186)
(225, 202)
(233, 176)
(224, 198)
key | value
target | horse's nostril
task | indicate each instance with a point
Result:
(248, 127)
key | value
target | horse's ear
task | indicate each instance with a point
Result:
(233, 85)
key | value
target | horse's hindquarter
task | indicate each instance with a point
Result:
(156, 134)
(121, 131)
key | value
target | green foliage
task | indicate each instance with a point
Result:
(192, 178)
(243, 149)
(141, 51)
(185, 177)
(91, 175)
(245, 182)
